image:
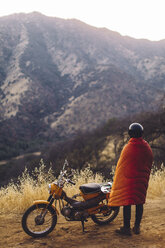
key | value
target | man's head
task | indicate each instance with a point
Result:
(135, 130)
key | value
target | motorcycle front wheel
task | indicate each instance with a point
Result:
(106, 216)
(39, 220)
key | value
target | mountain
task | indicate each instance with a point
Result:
(59, 77)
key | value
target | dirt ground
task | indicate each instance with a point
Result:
(69, 234)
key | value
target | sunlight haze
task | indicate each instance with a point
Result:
(135, 18)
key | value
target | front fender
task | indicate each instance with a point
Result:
(45, 202)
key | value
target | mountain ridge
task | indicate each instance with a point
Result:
(59, 77)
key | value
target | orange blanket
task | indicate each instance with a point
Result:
(132, 174)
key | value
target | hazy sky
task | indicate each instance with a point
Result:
(136, 18)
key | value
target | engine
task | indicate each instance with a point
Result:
(73, 214)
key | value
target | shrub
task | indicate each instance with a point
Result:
(157, 182)
(17, 197)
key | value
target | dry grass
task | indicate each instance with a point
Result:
(17, 197)
(157, 183)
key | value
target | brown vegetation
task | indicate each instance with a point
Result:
(16, 198)
(32, 187)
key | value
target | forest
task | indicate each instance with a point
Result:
(85, 149)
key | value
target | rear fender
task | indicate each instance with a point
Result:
(47, 203)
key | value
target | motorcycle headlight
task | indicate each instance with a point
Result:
(53, 188)
(49, 188)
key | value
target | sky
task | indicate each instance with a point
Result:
(136, 18)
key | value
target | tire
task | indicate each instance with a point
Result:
(36, 227)
(103, 219)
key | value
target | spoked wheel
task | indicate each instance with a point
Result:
(106, 215)
(39, 220)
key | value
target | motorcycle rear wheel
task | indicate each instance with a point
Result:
(105, 218)
(33, 222)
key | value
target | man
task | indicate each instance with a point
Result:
(131, 178)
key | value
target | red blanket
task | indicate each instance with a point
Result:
(132, 174)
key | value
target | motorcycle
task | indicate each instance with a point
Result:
(41, 218)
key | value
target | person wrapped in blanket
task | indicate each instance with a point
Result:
(131, 179)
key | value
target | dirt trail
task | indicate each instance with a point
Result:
(69, 234)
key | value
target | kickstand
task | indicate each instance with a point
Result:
(82, 222)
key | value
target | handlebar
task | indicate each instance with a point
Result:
(65, 174)
(71, 182)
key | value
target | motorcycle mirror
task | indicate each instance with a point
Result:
(66, 164)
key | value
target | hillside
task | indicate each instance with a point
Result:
(99, 148)
(59, 77)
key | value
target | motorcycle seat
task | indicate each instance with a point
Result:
(90, 188)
